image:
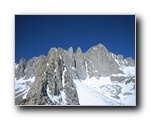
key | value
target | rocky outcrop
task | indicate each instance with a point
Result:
(35, 94)
(101, 62)
(20, 69)
(80, 64)
(130, 61)
(30, 68)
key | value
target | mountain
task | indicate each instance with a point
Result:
(96, 77)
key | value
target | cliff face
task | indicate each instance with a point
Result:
(49, 80)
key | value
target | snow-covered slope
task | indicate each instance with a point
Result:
(89, 96)
(22, 86)
(103, 91)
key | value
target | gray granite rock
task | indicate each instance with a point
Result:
(20, 73)
(101, 61)
(80, 64)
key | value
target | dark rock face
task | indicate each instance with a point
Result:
(54, 73)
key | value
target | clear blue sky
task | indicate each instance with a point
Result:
(36, 34)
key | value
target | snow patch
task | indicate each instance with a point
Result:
(86, 69)
(16, 65)
(117, 62)
(63, 79)
(60, 57)
(73, 68)
(63, 96)
(24, 97)
(93, 82)
(23, 93)
(128, 70)
(21, 83)
(22, 86)
(114, 56)
(94, 48)
(52, 98)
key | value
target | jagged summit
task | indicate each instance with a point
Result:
(53, 79)
(70, 52)
(70, 49)
(100, 45)
(78, 50)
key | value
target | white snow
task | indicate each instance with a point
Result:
(56, 98)
(60, 57)
(93, 91)
(24, 97)
(88, 96)
(52, 98)
(63, 96)
(16, 65)
(114, 56)
(63, 79)
(86, 69)
(22, 80)
(94, 82)
(128, 70)
(21, 90)
(126, 61)
(128, 99)
(94, 48)
(117, 62)
(118, 75)
(23, 93)
(73, 68)
(22, 86)
(21, 83)
(123, 62)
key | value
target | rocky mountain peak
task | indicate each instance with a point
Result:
(70, 51)
(20, 69)
(51, 55)
(78, 50)
(22, 60)
(50, 80)
(101, 48)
